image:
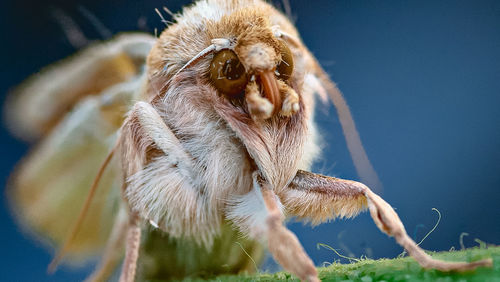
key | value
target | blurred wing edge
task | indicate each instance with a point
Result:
(48, 187)
(37, 105)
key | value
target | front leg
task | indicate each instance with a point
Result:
(284, 245)
(258, 214)
(161, 184)
(145, 142)
(319, 198)
(131, 249)
(145, 134)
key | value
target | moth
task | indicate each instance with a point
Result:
(187, 141)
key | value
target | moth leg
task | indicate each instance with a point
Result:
(290, 99)
(319, 197)
(284, 245)
(132, 249)
(258, 106)
(143, 130)
(161, 179)
(113, 251)
(259, 215)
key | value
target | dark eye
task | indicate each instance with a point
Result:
(227, 73)
(285, 67)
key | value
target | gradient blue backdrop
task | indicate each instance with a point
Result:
(422, 79)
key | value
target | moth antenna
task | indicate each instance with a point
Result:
(83, 212)
(196, 58)
(362, 164)
(103, 31)
(72, 31)
(285, 36)
(217, 45)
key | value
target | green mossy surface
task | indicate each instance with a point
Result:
(399, 269)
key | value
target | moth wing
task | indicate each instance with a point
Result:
(48, 188)
(35, 107)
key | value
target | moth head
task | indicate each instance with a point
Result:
(231, 70)
(211, 67)
(244, 49)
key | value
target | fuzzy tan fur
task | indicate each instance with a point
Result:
(228, 141)
(319, 198)
(193, 159)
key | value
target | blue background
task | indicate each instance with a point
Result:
(422, 79)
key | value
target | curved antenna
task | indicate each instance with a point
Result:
(363, 165)
(74, 231)
(217, 45)
(211, 48)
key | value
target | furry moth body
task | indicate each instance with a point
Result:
(214, 136)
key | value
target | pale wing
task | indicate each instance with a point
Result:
(35, 107)
(50, 185)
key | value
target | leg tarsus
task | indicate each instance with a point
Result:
(284, 245)
(388, 221)
(132, 250)
(287, 251)
(308, 191)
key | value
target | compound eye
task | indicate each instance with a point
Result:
(227, 73)
(285, 66)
